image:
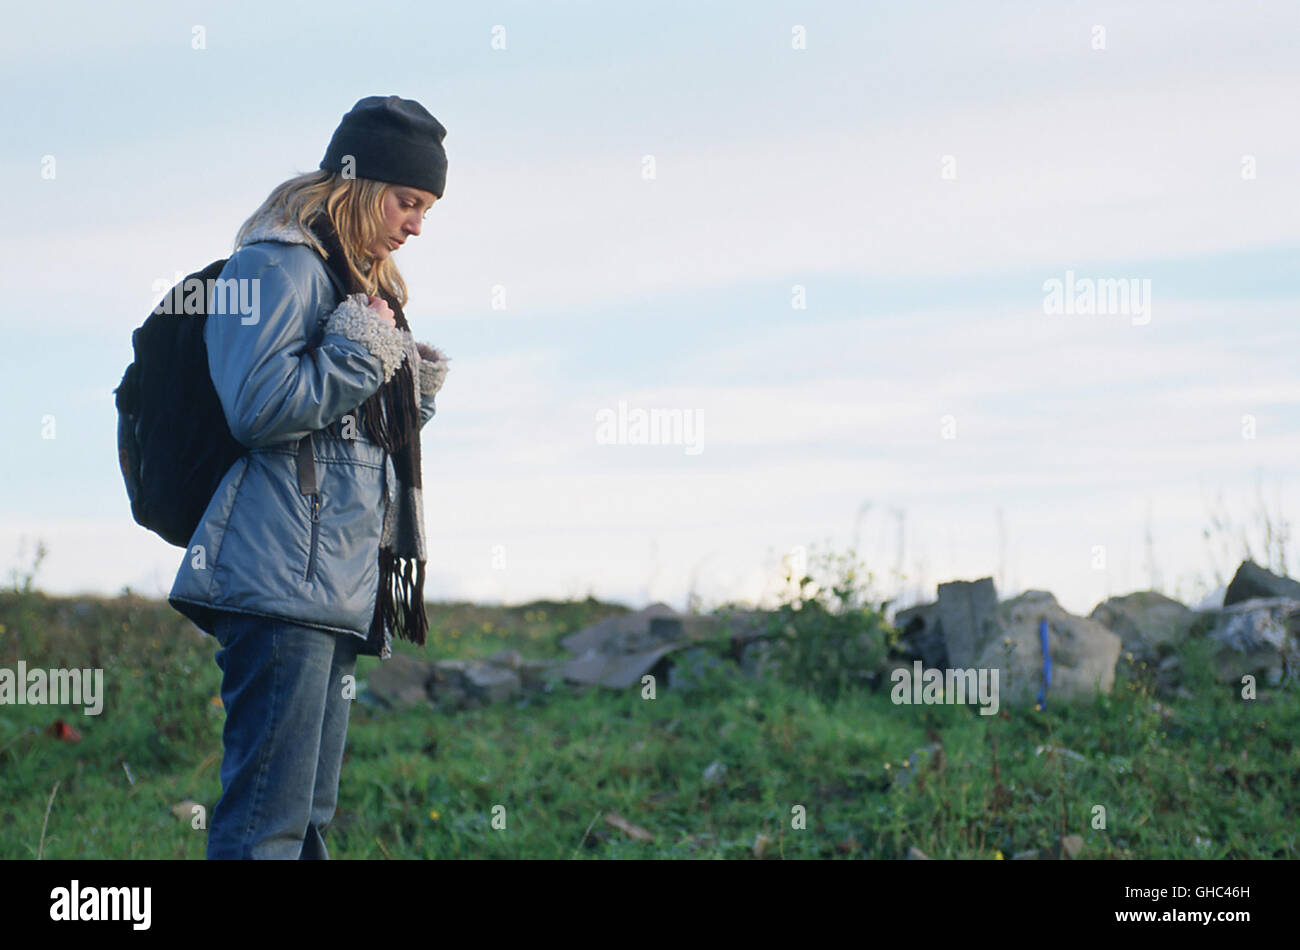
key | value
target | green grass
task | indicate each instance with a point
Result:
(424, 784)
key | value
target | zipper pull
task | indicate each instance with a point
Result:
(315, 508)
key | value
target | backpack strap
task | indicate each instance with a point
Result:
(334, 278)
(306, 466)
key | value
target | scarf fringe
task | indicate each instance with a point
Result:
(400, 605)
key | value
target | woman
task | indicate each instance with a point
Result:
(311, 551)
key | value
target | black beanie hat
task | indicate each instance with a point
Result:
(391, 139)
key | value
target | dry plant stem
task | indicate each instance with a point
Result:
(583, 840)
(40, 849)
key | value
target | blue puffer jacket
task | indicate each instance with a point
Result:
(256, 549)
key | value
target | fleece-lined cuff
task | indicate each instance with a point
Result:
(354, 320)
(433, 371)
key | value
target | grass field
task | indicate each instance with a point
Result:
(1202, 777)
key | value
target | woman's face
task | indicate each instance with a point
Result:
(404, 209)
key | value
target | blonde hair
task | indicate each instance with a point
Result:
(354, 205)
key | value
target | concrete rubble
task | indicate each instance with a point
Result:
(1255, 632)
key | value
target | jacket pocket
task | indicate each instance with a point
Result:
(315, 537)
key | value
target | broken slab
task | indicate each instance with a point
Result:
(921, 636)
(968, 614)
(490, 683)
(1257, 637)
(1149, 624)
(616, 671)
(401, 681)
(625, 633)
(1252, 582)
(617, 652)
(1083, 652)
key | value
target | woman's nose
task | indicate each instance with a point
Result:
(413, 227)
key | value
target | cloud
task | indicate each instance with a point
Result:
(1052, 183)
(770, 169)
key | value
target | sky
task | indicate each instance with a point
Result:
(824, 234)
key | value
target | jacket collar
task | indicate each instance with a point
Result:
(271, 229)
(268, 228)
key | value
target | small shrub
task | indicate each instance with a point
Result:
(828, 637)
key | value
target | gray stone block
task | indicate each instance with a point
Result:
(968, 616)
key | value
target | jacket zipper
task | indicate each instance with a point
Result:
(315, 531)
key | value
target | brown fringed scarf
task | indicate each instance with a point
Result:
(391, 418)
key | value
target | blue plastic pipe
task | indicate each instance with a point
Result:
(1047, 665)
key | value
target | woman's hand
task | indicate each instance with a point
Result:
(382, 311)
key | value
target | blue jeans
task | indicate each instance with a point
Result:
(286, 725)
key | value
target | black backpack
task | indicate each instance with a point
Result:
(173, 443)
